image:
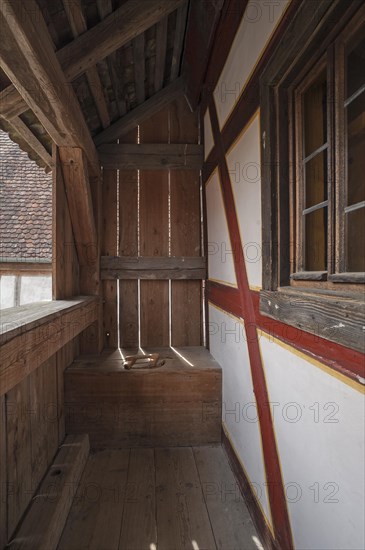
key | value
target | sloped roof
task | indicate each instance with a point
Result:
(25, 206)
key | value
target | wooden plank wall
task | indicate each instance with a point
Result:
(32, 428)
(166, 198)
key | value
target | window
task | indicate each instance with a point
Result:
(313, 173)
(329, 160)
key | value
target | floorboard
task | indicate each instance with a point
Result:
(175, 498)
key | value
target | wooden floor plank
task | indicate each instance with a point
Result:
(182, 517)
(96, 514)
(139, 528)
(230, 519)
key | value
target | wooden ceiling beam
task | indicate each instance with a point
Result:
(168, 156)
(161, 45)
(117, 29)
(27, 57)
(77, 186)
(75, 15)
(139, 68)
(179, 41)
(150, 107)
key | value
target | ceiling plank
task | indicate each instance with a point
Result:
(77, 185)
(27, 57)
(75, 15)
(131, 120)
(139, 68)
(181, 21)
(167, 156)
(161, 45)
(117, 29)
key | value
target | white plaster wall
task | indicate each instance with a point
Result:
(34, 288)
(208, 135)
(220, 257)
(258, 24)
(7, 289)
(319, 426)
(228, 346)
(245, 172)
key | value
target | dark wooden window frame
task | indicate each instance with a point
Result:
(332, 309)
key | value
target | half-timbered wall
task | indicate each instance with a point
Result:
(292, 401)
(153, 214)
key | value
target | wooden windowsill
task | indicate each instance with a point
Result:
(339, 317)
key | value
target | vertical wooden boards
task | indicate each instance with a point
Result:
(139, 528)
(65, 266)
(154, 237)
(128, 246)
(109, 248)
(181, 513)
(20, 490)
(186, 298)
(95, 518)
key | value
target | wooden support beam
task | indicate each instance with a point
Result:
(199, 43)
(120, 27)
(78, 25)
(150, 107)
(155, 268)
(27, 57)
(77, 185)
(179, 41)
(139, 68)
(22, 129)
(151, 156)
(161, 45)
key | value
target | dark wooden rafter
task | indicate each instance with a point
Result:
(179, 41)
(78, 25)
(150, 107)
(27, 56)
(116, 30)
(139, 67)
(161, 43)
(151, 156)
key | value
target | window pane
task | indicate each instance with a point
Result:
(356, 240)
(356, 150)
(356, 68)
(316, 240)
(316, 180)
(315, 115)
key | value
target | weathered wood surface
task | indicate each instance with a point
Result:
(32, 334)
(151, 156)
(179, 403)
(168, 499)
(219, 486)
(116, 30)
(65, 264)
(25, 268)
(47, 515)
(96, 515)
(186, 296)
(161, 44)
(109, 248)
(22, 129)
(181, 512)
(337, 318)
(28, 58)
(154, 267)
(154, 236)
(3, 475)
(138, 115)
